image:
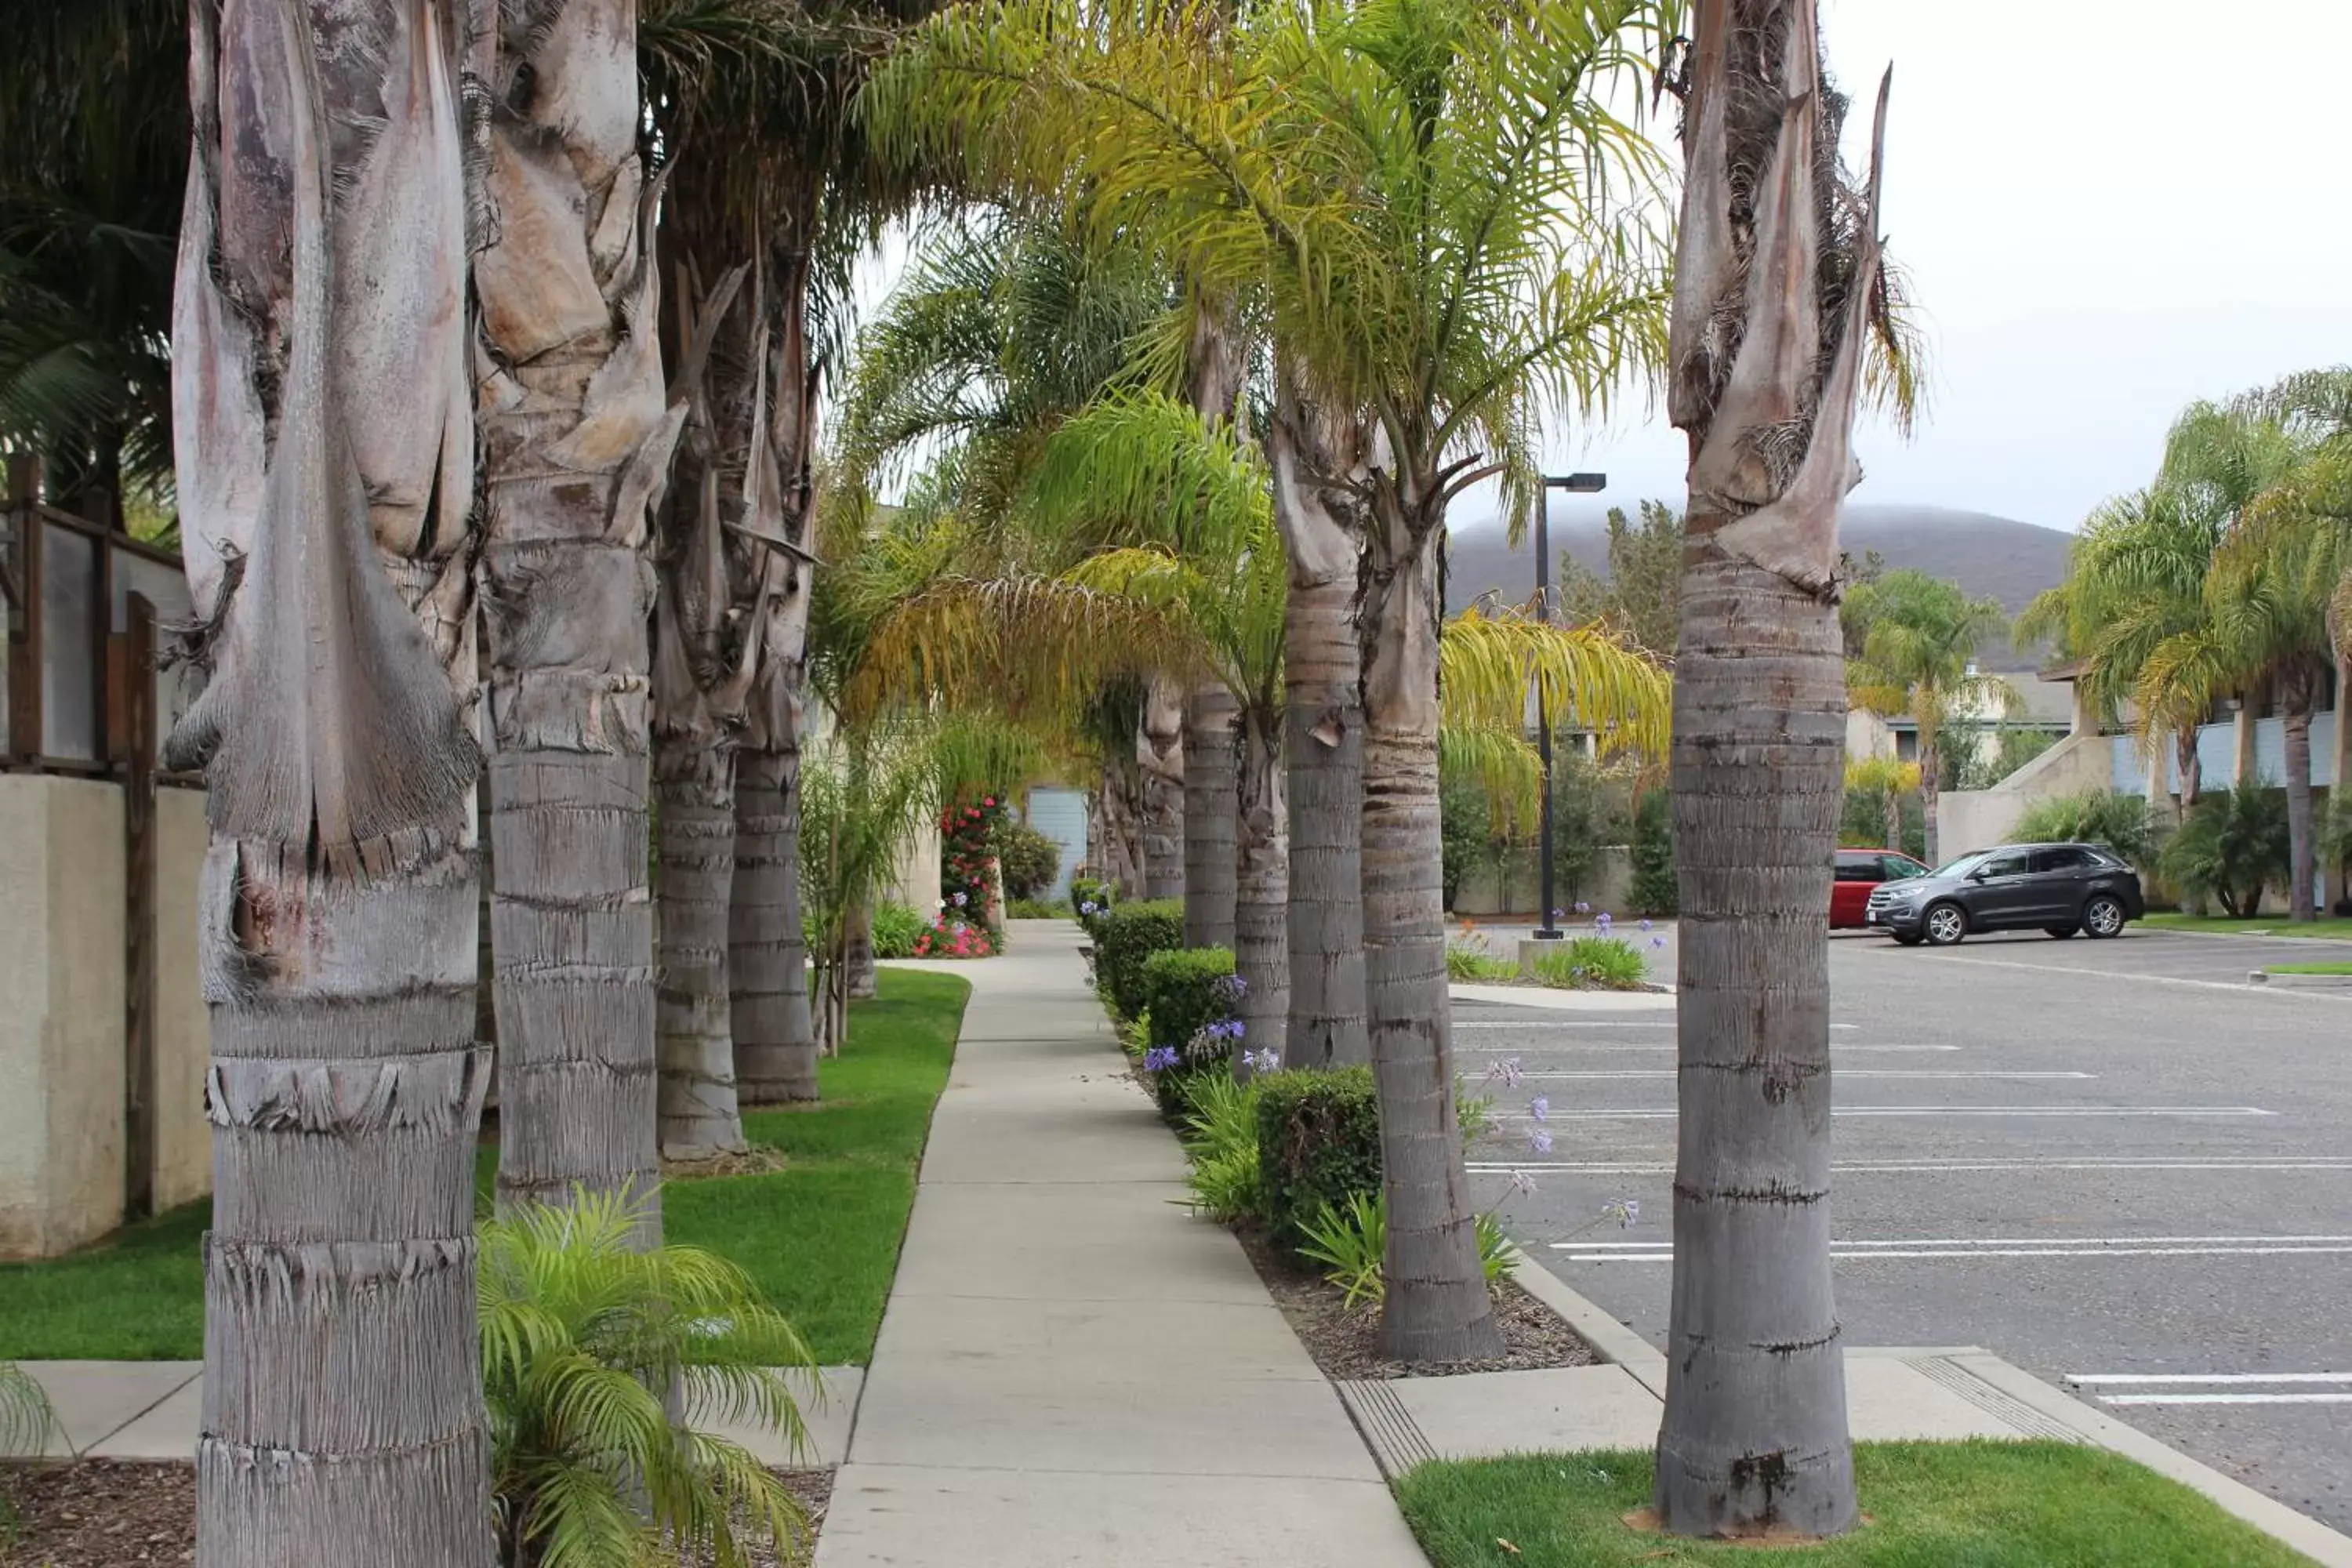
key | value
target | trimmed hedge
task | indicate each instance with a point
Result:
(1186, 991)
(1319, 1142)
(1126, 936)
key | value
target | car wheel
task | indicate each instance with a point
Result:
(1908, 939)
(1945, 925)
(2060, 932)
(2103, 917)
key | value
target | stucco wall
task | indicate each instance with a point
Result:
(1971, 819)
(1608, 885)
(63, 971)
(61, 978)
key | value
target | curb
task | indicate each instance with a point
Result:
(1618, 1345)
(1613, 1343)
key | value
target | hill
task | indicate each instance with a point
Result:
(1989, 557)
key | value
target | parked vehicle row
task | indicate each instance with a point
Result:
(2061, 888)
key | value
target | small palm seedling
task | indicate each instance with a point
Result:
(26, 1422)
(583, 1339)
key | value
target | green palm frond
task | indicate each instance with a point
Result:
(1506, 767)
(26, 1420)
(580, 1333)
(1491, 661)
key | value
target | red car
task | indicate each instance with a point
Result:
(1860, 870)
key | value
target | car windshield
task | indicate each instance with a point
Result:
(1961, 866)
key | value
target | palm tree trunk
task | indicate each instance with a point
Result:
(1159, 752)
(324, 482)
(1755, 1437)
(1323, 747)
(1261, 944)
(1931, 788)
(1891, 826)
(775, 1033)
(1114, 851)
(695, 804)
(2192, 769)
(1437, 1307)
(1211, 793)
(576, 440)
(2302, 840)
(2246, 770)
(861, 977)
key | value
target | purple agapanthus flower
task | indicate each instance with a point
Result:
(1523, 1183)
(1658, 941)
(1159, 1059)
(958, 901)
(1624, 1211)
(1540, 1141)
(1557, 914)
(1266, 1060)
(1603, 919)
(1539, 1108)
(1508, 1072)
(1645, 925)
(1582, 908)
(1087, 907)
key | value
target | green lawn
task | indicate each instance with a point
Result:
(2333, 927)
(820, 1236)
(2310, 968)
(1927, 1505)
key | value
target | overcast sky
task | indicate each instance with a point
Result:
(2108, 209)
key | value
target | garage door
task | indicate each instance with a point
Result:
(1061, 815)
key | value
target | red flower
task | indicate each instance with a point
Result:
(988, 800)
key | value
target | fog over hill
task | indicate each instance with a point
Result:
(1996, 557)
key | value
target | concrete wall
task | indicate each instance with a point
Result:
(1971, 819)
(1607, 886)
(63, 968)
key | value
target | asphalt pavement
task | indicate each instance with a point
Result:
(2114, 1163)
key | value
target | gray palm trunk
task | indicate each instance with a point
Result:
(694, 786)
(1323, 745)
(859, 961)
(577, 438)
(1931, 786)
(2302, 829)
(1115, 834)
(1261, 938)
(775, 1027)
(775, 1031)
(2192, 771)
(1211, 797)
(1160, 753)
(1437, 1307)
(1763, 379)
(325, 446)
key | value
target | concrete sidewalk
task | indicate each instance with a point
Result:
(1072, 1370)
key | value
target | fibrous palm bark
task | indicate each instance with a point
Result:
(577, 436)
(1776, 285)
(1160, 753)
(1211, 797)
(325, 446)
(774, 566)
(1437, 1307)
(1262, 888)
(1323, 738)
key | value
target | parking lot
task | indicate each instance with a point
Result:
(2112, 1163)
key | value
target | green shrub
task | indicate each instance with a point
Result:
(1028, 858)
(580, 1330)
(1034, 909)
(1593, 964)
(1470, 959)
(1090, 898)
(897, 929)
(2101, 817)
(1124, 938)
(1654, 890)
(1187, 990)
(2233, 845)
(1349, 1241)
(1319, 1140)
(1220, 1132)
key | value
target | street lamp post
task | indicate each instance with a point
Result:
(1575, 484)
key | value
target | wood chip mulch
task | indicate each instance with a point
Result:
(101, 1513)
(1345, 1342)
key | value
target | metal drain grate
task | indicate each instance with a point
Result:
(1388, 1429)
(1993, 1402)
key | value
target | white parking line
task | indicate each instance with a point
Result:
(1966, 1241)
(1955, 1074)
(2120, 1378)
(1919, 1167)
(2225, 1399)
(1550, 1048)
(1578, 1253)
(2036, 1110)
(1585, 1024)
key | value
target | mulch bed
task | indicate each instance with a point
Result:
(103, 1513)
(1345, 1341)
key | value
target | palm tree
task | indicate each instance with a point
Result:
(326, 459)
(1481, 266)
(2135, 579)
(94, 110)
(1918, 657)
(1778, 285)
(577, 439)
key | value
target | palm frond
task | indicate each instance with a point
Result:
(1492, 661)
